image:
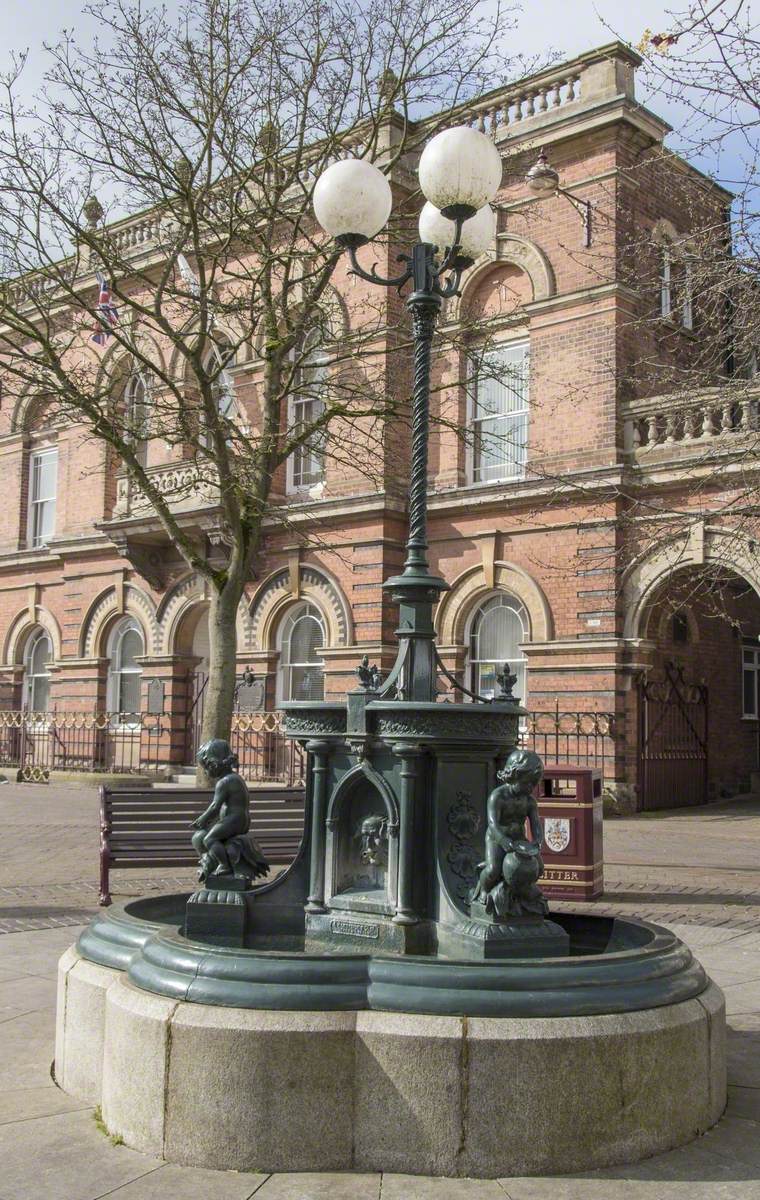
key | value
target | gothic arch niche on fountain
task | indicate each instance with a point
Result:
(511, 249)
(277, 593)
(23, 626)
(700, 546)
(99, 619)
(361, 856)
(473, 586)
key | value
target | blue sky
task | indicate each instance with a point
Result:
(566, 26)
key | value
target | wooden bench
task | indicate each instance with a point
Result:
(151, 827)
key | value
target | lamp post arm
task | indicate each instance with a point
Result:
(582, 207)
(453, 252)
(372, 276)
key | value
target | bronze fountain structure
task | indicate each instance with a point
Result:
(412, 917)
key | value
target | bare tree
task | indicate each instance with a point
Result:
(178, 160)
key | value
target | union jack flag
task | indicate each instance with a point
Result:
(106, 312)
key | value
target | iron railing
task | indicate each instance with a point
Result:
(36, 743)
(128, 743)
(582, 739)
(264, 753)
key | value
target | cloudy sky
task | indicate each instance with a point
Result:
(566, 26)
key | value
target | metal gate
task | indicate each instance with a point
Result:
(672, 741)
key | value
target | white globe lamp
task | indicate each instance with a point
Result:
(478, 232)
(460, 171)
(352, 201)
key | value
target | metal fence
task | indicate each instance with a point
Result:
(33, 744)
(120, 743)
(264, 753)
(582, 739)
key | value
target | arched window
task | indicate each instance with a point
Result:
(221, 359)
(302, 634)
(306, 465)
(136, 414)
(498, 628)
(125, 647)
(499, 413)
(39, 652)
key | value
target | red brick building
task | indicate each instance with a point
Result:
(531, 519)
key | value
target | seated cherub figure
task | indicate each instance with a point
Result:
(506, 885)
(223, 840)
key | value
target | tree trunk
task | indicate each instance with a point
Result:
(222, 673)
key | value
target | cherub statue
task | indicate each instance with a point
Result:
(507, 883)
(223, 842)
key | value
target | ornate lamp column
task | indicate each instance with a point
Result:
(400, 761)
(460, 173)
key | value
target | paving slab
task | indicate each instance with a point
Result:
(743, 1050)
(64, 1158)
(608, 1188)
(737, 1139)
(328, 1186)
(420, 1187)
(168, 1182)
(742, 998)
(744, 1102)
(27, 993)
(23, 1103)
(27, 1050)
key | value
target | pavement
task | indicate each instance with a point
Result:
(669, 867)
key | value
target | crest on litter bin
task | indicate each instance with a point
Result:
(557, 833)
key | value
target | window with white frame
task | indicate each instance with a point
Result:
(137, 413)
(39, 652)
(300, 674)
(676, 285)
(687, 292)
(499, 413)
(497, 630)
(306, 465)
(750, 674)
(43, 482)
(126, 646)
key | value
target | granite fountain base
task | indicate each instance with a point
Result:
(275, 1058)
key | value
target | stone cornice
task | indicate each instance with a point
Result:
(600, 291)
(583, 484)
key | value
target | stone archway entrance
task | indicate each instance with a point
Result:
(698, 691)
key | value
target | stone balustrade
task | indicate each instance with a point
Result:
(671, 421)
(179, 483)
(542, 94)
(139, 234)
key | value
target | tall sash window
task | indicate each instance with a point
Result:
(499, 414)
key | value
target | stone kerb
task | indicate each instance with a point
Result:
(375, 1091)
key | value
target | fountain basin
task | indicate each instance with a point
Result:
(271, 1058)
